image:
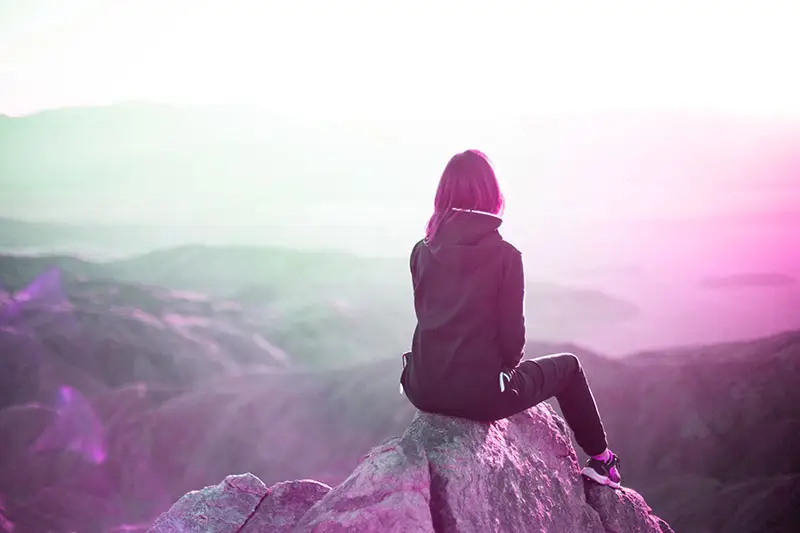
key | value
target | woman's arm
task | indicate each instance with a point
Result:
(512, 311)
(412, 263)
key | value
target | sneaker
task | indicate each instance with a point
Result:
(604, 473)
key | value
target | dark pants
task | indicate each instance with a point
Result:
(561, 376)
(532, 382)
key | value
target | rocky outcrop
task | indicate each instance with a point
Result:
(242, 504)
(443, 475)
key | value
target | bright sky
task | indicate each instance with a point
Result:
(433, 58)
(427, 57)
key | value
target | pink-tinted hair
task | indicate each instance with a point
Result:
(468, 182)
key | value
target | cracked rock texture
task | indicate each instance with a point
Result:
(443, 475)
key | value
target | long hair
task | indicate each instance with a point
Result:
(468, 182)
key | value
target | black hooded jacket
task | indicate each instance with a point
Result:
(468, 296)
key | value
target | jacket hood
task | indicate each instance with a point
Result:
(464, 239)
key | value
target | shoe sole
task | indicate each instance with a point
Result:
(592, 474)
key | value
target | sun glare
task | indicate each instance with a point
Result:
(416, 58)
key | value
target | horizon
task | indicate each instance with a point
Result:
(229, 169)
(722, 188)
(580, 109)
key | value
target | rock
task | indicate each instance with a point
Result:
(222, 508)
(623, 511)
(286, 503)
(242, 504)
(445, 475)
(450, 474)
(389, 491)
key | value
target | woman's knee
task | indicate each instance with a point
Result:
(574, 364)
(561, 366)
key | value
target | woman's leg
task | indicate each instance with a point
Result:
(561, 376)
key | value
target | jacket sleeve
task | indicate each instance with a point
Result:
(512, 312)
(412, 263)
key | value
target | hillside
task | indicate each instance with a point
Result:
(135, 394)
(323, 308)
(707, 431)
(677, 425)
(98, 335)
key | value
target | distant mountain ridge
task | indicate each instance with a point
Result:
(312, 303)
(748, 280)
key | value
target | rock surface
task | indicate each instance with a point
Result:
(242, 503)
(443, 475)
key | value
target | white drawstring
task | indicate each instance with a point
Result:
(405, 361)
(502, 383)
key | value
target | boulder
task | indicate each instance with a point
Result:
(442, 475)
(242, 504)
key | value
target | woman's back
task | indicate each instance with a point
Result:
(461, 342)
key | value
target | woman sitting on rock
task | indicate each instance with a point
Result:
(467, 349)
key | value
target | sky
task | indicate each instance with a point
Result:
(437, 59)
(415, 57)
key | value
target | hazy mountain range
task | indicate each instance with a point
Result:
(325, 308)
(119, 397)
(644, 208)
(616, 310)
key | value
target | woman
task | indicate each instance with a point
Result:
(470, 335)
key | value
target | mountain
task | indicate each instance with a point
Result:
(678, 420)
(325, 308)
(655, 301)
(748, 280)
(705, 428)
(95, 241)
(135, 394)
(96, 336)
